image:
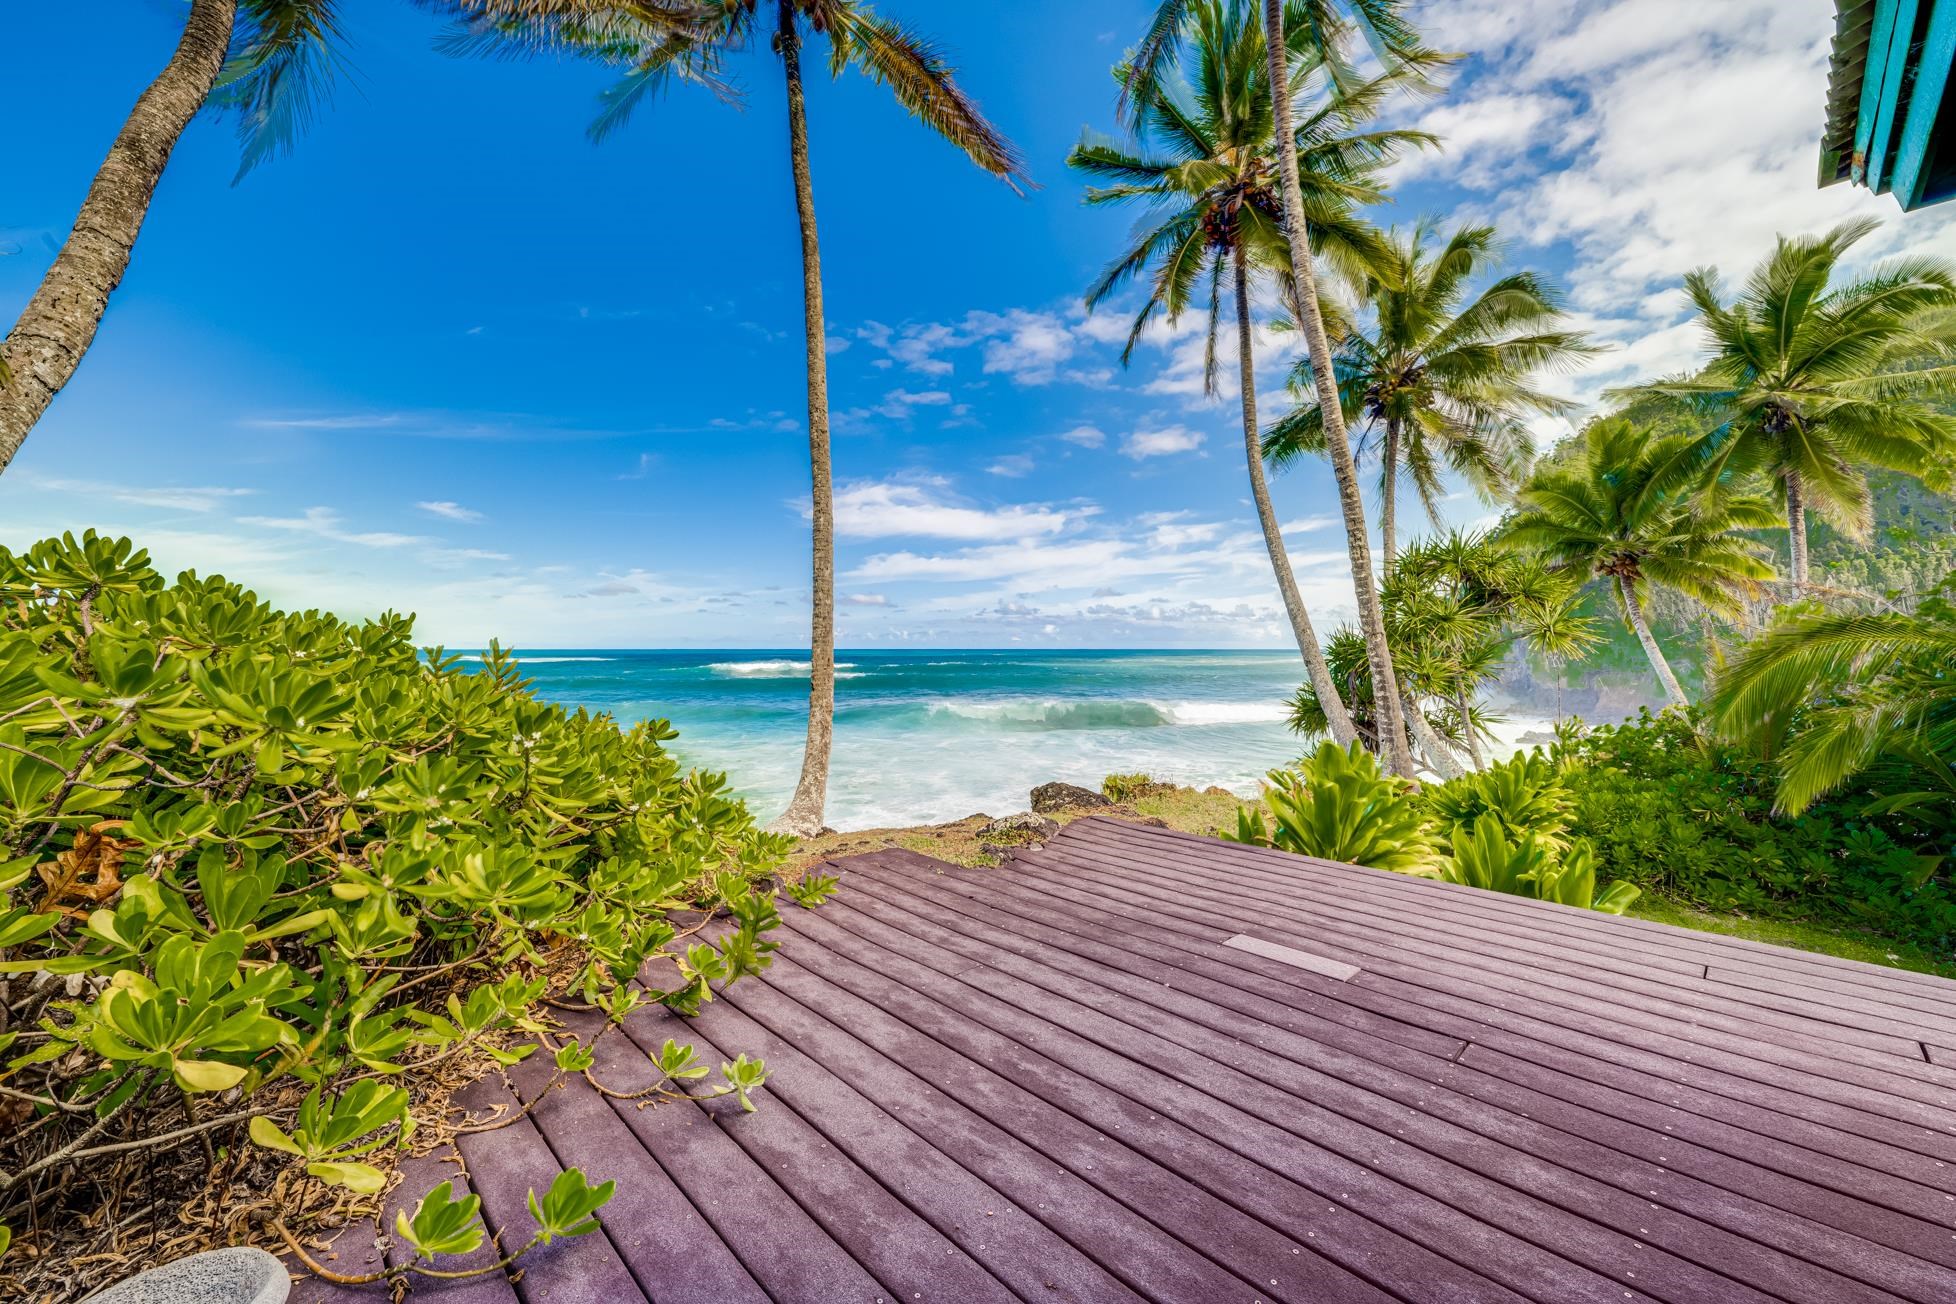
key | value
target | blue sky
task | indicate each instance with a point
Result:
(449, 357)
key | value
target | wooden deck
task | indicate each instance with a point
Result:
(1135, 1064)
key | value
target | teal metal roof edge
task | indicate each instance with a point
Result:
(1888, 79)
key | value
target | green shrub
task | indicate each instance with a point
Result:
(1129, 787)
(270, 869)
(1692, 818)
(1505, 828)
(1339, 804)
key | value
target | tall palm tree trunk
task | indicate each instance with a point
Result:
(46, 345)
(1389, 499)
(1371, 618)
(1796, 532)
(803, 818)
(1343, 731)
(1635, 615)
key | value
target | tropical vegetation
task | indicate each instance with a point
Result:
(265, 873)
(1320, 31)
(1455, 607)
(1811, 382)
(1205, 165)
(1442, 386)
(1505, 829)
(1636, 512)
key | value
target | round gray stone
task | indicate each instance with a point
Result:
(236, 1276)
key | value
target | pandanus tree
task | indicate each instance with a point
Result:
(1811, 381)
(1204, 164)
(269, 60)
(1444, 379)
(1639, 512)
(651, 51)
(1319, 31)
(1454, 607)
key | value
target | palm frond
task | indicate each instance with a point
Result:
(923, 82)
(282, 69)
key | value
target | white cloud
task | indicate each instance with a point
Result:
(1161, 442)
(866, 600)
(1085, 436)
(1030, 347)
(1484, 137)
(184, 498)
(336, 421)
(1012, 465)
(1649, 137)
(449, 511)
(326, 523)
(897, 509)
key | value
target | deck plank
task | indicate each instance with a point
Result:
(1130, 1065)
(673, 1253)
(1746, 1121)
(1906, 988)
(504, 1167)
(1714, 1228)
(1831, 1030)
(1582, 1113)
(1882, 1081)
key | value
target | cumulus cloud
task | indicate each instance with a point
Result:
(1646, 138)
(924, 509)
(1161, 442)
(1085, 436)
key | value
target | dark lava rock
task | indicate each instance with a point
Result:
(1002, 836)
(1049, 797)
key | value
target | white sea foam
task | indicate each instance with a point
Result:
(772, 669)
(1108, 713)
(1227, 712)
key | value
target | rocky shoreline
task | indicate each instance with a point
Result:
(985, 839)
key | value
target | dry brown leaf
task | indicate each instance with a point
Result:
(89, 871)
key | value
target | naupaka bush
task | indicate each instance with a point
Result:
(261, 872)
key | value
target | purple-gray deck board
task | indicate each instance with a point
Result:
(1902, 1085)
(1545, 1124)
(1055, 1080)
(1440, 1144)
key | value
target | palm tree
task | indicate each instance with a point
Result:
(1208, 175)
(1319, 32)
(1810, 384)
(654, 52)
(1382, 22)
(1636, 511)
(1832, 694)
(1441, 383)
(280, 65)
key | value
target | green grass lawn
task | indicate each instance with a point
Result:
(1849, 944)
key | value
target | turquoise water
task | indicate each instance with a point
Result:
(931, 736)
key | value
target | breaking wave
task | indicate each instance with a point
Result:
(772, 669)
(1058, 713)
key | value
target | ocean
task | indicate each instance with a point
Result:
(931, 736)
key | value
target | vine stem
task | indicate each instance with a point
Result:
(368, 1278)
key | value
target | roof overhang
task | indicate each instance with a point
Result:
(1891, 114)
